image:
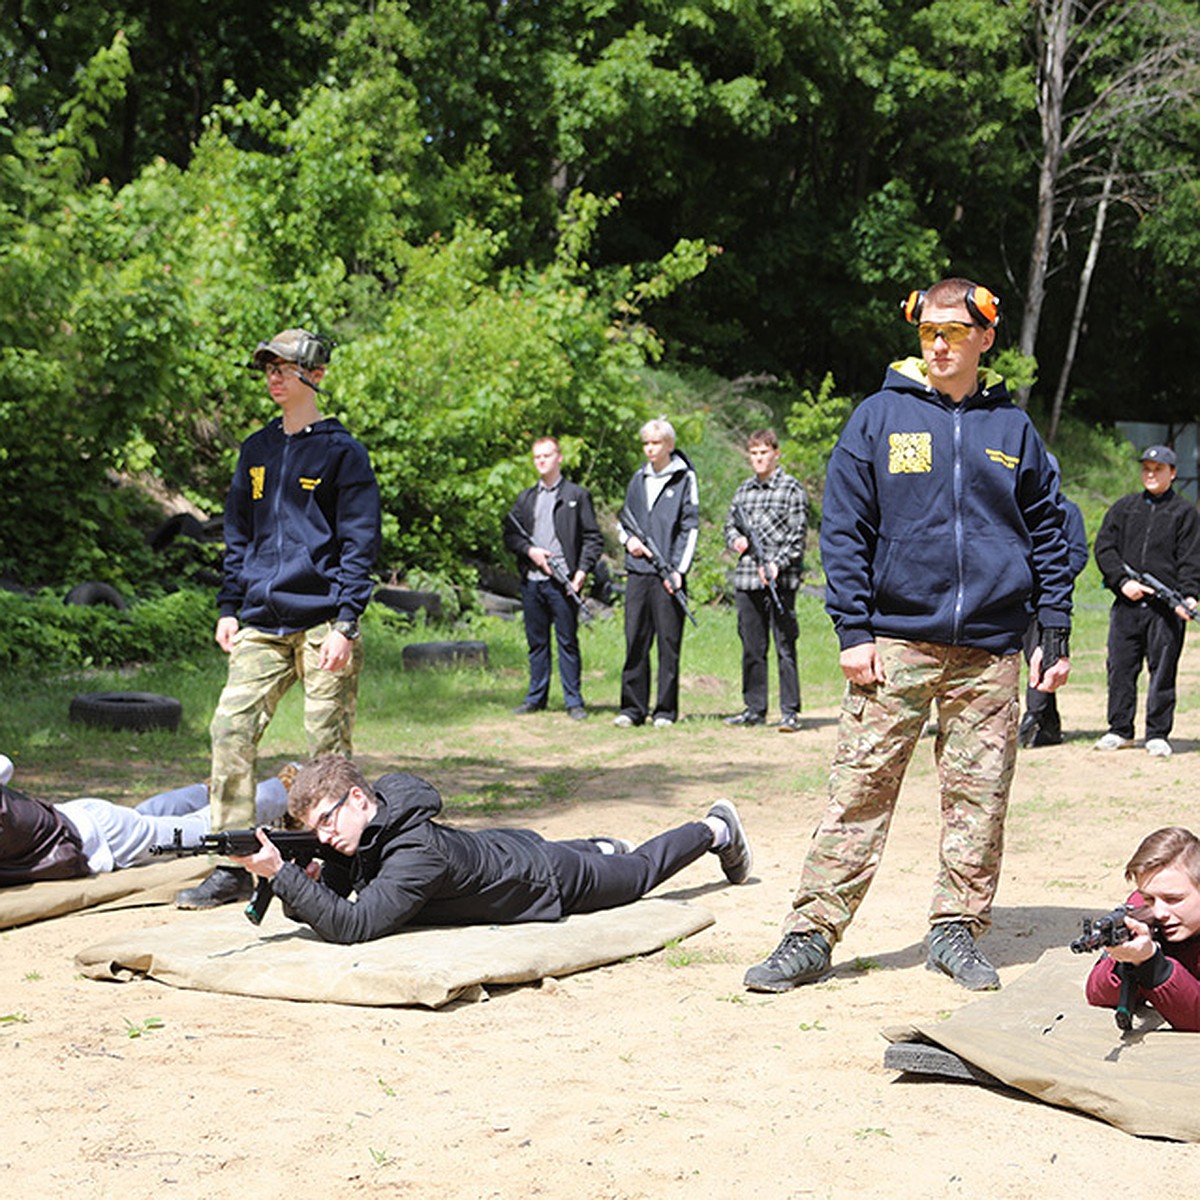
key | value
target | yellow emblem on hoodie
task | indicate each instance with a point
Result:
(910, 453)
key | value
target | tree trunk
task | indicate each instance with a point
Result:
(1085, 283)
(1054, 28)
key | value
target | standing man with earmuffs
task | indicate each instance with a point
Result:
(942, 534)
(302, 527)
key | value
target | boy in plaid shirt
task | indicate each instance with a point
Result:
(773, 507)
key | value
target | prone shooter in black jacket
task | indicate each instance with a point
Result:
(406, 868)
(1154, 531)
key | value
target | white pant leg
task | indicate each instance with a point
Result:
(115, 837)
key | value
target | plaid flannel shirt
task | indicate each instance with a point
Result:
(778, 510)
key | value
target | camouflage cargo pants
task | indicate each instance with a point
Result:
(977, 708)
(262, 667)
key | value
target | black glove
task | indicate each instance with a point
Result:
(1055, 644)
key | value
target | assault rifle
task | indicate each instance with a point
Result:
(741, 522)
(1111, 930)
(558, 569)
(300, 846)
(1171, 597)
(1099, 932)
(658, 560)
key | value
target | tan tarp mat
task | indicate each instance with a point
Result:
(155, 883)
(1040, 1035)
(221, 952)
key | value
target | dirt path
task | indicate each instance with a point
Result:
(655, 1078)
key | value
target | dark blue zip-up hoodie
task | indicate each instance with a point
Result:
(301, 529)
(942, 522)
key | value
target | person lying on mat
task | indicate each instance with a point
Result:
(1164, 948)
(88, 836)
(404, 867)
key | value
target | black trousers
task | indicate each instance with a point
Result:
(591, 880)
(650, 612)
(758, 621)
(1138, 632)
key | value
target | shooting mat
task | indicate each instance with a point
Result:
(220, 951)
(155, 883)
(1041, 1036)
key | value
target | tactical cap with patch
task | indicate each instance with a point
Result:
(1159, 454)
(292, 345)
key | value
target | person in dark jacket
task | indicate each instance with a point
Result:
(1157, 531)
(1163, 950)
(1042, 725)
(553, 520)
(942, 535)
(664, 499)
(302, 527)
(406, 868)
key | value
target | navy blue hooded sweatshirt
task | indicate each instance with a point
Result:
(942, 522)
(301, 529)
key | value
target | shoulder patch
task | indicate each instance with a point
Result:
(258, 477)
(910, 453)
(1005, 460)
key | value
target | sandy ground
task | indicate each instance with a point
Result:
(659, 1077)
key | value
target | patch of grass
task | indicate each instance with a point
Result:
(864, 965)
(139, 1029)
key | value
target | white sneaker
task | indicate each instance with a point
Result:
(1159, 747)
(1114, 741)
(663, 722)
(6, 768)
(623, 721)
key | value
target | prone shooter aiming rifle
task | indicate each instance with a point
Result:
(1171, 597)
(1111, 930)
(741, 522)
(658, 560)
(558, 568)
(300, 846)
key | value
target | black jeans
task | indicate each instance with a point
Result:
(650, 611)
(591, 880)
(1136, 632)
(758, 621)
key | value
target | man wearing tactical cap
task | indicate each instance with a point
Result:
(301, 536)
(1152, 532)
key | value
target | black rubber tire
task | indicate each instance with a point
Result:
(94, 592)
(445, 654)
(137, 711)
(407, 601)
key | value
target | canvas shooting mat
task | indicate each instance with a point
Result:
(221, 951)
(155, 883)
(1041, 1036)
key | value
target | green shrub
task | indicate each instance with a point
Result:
(41, 631)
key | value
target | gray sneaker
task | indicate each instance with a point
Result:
(736, 856)
(952, 949)
(799, 958)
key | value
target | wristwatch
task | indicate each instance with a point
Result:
(348, 629)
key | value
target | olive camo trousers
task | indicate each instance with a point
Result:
(262, 667)
(977, 708)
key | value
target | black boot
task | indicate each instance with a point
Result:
(223, 886)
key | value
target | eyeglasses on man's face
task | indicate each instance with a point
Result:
(951, 332)
(328, 819)
(277, 369)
